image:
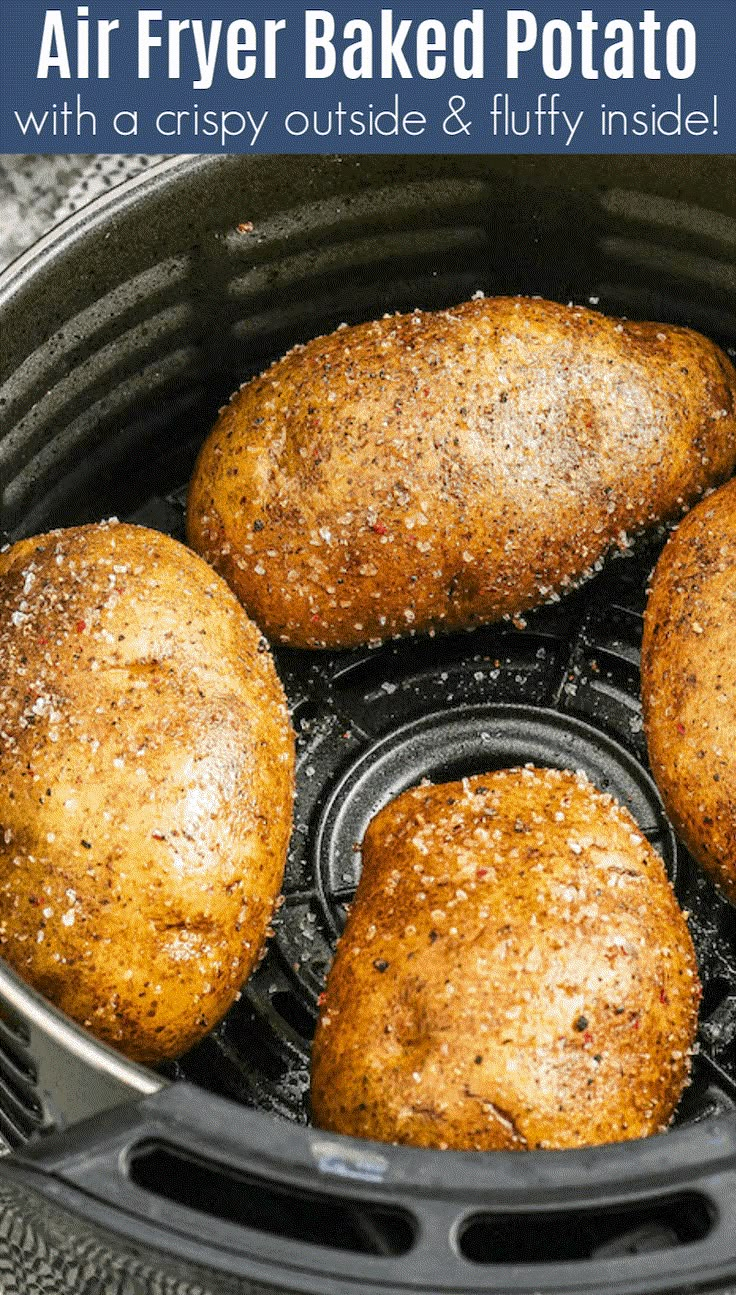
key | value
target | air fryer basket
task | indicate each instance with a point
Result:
(122, 334)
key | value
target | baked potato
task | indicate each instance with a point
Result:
(689, 683)
(436, 471)
(515, 973)
(146, 778)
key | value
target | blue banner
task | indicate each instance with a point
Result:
(276, 76)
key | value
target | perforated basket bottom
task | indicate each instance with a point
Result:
(561, 690)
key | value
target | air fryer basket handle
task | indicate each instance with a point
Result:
(57, 1073)
(248, 1167)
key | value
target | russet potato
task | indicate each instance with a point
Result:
(689, 683)
(441, 470)
(515, 973)
(146, 777)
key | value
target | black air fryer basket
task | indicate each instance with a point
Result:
(123, 332)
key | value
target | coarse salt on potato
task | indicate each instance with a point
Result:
(515, 973)
(442, 470)
(146, 778)
(689, 683)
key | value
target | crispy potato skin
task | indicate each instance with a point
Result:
(437, 471)
(146, 780)
(689, 683)
(515, 973)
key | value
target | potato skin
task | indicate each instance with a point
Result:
(515, 973)
(689, 683)
(440, 470)
(146, 781)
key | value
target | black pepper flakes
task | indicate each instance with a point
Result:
(581, 1024)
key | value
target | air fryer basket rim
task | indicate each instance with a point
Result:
(627, 171)
(693, 1148)
(105, 205)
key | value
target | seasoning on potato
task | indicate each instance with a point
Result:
(689, 683)
(146, 780)
(437, 471)
(515, 973)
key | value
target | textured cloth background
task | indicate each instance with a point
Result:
(38, 190)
